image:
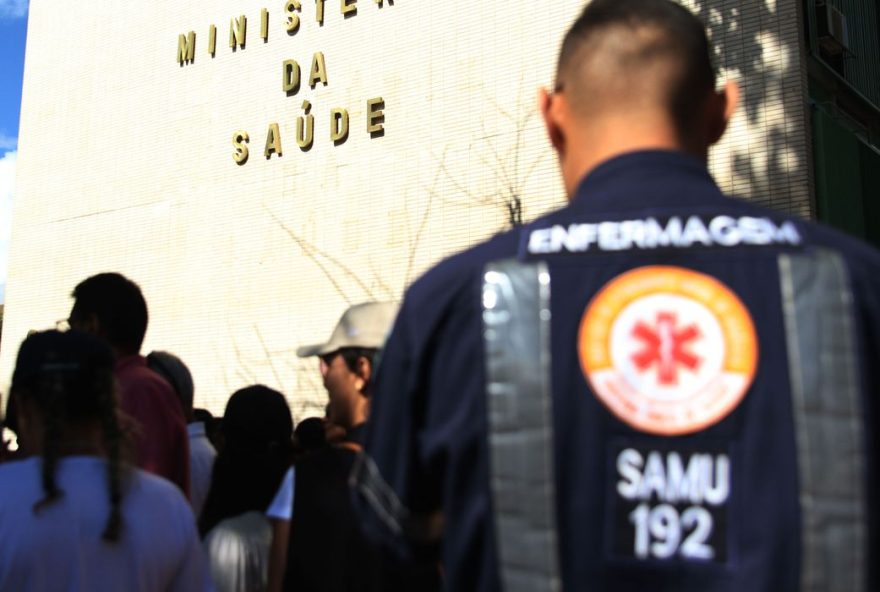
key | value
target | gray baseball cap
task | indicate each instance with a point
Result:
(362, 325)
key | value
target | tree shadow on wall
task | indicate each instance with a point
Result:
(340, 276)
(505, 160)
(251, 369)
(350, 284)
(772, 169)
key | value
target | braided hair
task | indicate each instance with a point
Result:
(67, 378)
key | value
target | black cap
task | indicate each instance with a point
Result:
(77, 355)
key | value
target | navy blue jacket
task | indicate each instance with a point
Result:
(686, 498)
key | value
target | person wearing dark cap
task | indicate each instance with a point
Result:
(74, 514)
(655, 387)
(112, 307)
(201, 452)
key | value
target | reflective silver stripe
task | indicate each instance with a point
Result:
(516, 324)
(366, 479)
(827, 416)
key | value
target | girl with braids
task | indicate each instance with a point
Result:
(255, 454)
(73, 514)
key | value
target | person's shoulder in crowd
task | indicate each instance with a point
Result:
(328, 463)
(856, 251)
(862, 259)
(144, 392)
(241, 541)
(158, 549)
(133, 372)
(21, 484)
(148, 484)
(162, 446)
(813, 233)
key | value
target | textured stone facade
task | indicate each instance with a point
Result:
(126, 160)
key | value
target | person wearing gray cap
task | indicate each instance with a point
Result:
(327, 551)
(347, 362)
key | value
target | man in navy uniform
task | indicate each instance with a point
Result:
(657, 386)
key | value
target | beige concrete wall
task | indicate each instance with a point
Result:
(125, 162)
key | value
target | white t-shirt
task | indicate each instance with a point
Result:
(201, 462)
(281, 507)
(238, 550)
(61, 547)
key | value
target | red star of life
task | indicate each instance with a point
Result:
(664, 345)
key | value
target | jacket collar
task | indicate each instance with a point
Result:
(644, 179)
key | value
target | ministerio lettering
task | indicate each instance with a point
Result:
(338, 119)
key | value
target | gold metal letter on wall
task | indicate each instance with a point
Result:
(290, 77)
(238, 32)
(376, 116)
(212, 40)
(305, 128)
(319, 70)
(264, 24)
(273, 141)
(291, 7)
(186, 48)
(338, 126)
(239, 140)
(348, 7)
(319, 12)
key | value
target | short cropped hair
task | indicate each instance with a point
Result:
(351, 355)
(672, 38)
(119, 306)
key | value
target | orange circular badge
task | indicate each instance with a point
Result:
(668, 350)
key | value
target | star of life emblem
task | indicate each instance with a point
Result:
(668, 350)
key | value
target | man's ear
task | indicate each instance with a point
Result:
(722, 106)
(364, 371)
(87, 323)
(548, 106)
(95, 326)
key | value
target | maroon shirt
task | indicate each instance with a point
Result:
(161, 441)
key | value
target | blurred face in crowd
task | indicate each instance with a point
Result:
(345, 388)
(87, 323)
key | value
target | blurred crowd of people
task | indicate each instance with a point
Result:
(119, 483)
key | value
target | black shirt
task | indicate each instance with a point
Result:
(327, 551)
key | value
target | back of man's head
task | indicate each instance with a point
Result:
(172, 369)
(117, 304)
(633, 55)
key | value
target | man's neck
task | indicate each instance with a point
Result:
(595, 142)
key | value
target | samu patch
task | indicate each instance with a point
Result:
(668, 350)
(668, 504)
